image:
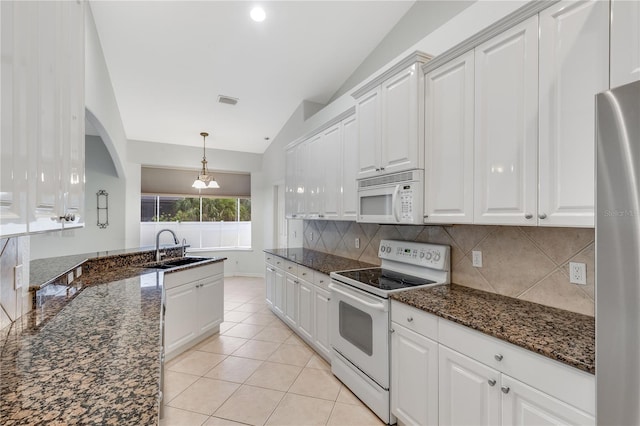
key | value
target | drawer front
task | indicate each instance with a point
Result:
(321, 280)
(414, 319)
(290, 267)
(305, 273)
(178, 277)
(271, 259)
(564, 382)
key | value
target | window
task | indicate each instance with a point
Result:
(206, 223)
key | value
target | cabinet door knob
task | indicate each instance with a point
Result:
(392, 330)
(382, 168)
(498, 357)
(491, 382)
(409, 319)
(528, 216)
(377, 170)
(505, 389)
(542, 216)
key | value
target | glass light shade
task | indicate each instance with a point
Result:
(198, 184)
(213, 184)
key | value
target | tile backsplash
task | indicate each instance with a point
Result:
(528, 263)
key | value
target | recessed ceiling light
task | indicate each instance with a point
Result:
(258, 14)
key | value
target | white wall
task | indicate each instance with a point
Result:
(100, 173)
(240, 262)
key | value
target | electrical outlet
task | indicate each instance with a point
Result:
(17, 277)
(357, 243)
(311, 237)
(577, 273)
(476, 258)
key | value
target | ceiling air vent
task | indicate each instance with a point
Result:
(227, 100)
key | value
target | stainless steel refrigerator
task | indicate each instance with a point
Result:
(618, 256)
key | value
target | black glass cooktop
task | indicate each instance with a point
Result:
(384, 279)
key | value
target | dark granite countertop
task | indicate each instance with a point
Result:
(561, 335)
(318, 261)
(90, 352)
(96, 361)
(43, 271)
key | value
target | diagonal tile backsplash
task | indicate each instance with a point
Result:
(529, 263)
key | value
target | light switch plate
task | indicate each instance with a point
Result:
(476, 258)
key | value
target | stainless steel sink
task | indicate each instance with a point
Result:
(174, 263)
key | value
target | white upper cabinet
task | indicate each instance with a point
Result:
(390, 119)
(331, 172)
(349, 187)
(313, 173)
(574, 52)
(369, 132)
(42, 116)
(17, 93)
(625, 42)
(401, 141)
(320, 178)
(506, 126)
(448, 164)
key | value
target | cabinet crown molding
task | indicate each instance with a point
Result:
(416, 56)
(335, 120)
(525, 12)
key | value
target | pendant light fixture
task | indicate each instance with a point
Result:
(205, 180)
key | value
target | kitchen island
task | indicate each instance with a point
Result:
(93, 358)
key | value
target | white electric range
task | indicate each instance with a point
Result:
(359, 306)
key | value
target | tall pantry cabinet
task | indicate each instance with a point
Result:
(42, 145)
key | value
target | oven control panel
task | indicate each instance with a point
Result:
(435, 256)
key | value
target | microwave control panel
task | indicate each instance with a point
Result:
(406, 203)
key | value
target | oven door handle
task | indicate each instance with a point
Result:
(376, 306)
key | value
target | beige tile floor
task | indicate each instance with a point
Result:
(256, 372)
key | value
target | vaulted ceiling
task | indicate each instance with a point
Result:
(169, 61)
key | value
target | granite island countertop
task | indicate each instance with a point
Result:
(93, 358)
(317, 260)
(561, 335)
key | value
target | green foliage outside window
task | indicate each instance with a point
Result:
(178, 209)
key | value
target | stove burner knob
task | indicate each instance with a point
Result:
(436, 257)
(388, 249)
(421, 255)
(429, 255)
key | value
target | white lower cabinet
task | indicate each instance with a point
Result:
(469, 391)
(300, 297)
(321, 321)
(414, 376)
(194, 302)
(448, 374)
(305, 309)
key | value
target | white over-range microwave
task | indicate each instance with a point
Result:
(392, 199)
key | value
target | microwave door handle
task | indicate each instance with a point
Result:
(377, 306)
(394, 205)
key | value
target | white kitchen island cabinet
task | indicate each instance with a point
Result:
(194, 302)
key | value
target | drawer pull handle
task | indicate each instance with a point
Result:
(498, 357)
(321, 281)
(528, 216)
(505, 389)
(409, 319)
(491, 382)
